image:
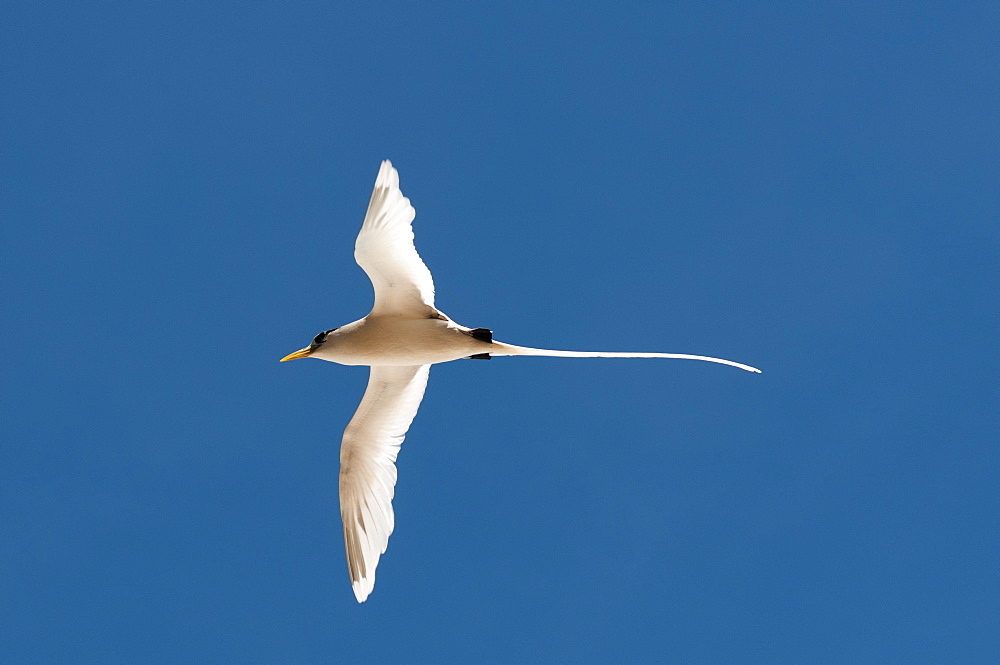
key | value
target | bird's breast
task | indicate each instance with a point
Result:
(394, 341)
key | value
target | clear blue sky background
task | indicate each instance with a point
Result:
(812, 190)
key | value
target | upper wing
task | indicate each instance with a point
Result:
(367, 466)
(385, 251)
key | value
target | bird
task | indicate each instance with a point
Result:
(402, 336)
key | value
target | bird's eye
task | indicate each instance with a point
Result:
(320, 338)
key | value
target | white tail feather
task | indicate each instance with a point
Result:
(503, 349)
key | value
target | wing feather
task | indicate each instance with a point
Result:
(367, 466)
(385, 250)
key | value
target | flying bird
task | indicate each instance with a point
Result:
(399, 340)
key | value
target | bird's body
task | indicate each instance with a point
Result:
(400, 339)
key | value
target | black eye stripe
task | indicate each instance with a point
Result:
(320, 338)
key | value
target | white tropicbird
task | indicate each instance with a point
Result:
(400, 339)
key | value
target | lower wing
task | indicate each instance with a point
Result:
(367, 466)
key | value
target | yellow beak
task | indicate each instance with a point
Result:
(301, 353)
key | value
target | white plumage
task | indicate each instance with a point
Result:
(368, 466)
(400, 339)
(384, 249)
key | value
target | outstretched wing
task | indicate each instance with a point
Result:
(367, 466)
(384, 249)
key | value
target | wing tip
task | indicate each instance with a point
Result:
(387, 175)
(363, 588)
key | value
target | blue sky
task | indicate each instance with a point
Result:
(811, 190)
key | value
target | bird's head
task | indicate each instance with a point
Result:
(318, 341)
